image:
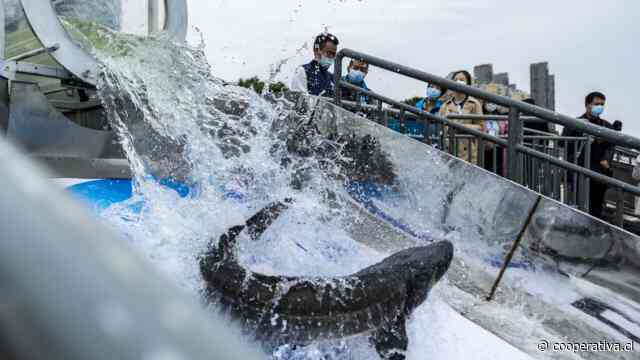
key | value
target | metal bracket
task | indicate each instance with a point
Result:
(35, 52)
(49, 30)
(11, 68)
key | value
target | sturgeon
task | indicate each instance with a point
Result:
(299, 310)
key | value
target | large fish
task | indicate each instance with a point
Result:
(300, 310)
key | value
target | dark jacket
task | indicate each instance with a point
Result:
(349, 95)
(319, 80)
(600, 149)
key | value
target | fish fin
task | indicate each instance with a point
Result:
(258, 223)
(391, 340)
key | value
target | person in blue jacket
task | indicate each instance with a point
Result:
(356, 73)
(432, 104)
(315, 78)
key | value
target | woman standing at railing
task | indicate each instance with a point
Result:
(432, 104)
(460, 103)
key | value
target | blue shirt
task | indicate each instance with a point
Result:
(354, 96)
(436, 109)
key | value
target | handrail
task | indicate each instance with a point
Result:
(493, 117)
(506, 143)
(416, 111)
(554, 117)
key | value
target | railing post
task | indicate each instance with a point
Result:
(586, 181)
(153, 8)
(337, 77)
(401, 118)
(4, 105)
(453, 143)
(481, 148)
(382, 115)
(619, 221)
(514, 165)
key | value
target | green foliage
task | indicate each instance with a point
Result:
(278, 88)
(258, 85)
(252, 83)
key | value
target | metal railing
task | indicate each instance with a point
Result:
(518, 153)
(551, 181)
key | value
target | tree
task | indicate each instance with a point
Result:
(258, 85)
(252, 83)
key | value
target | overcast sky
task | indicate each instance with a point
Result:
(590, 45)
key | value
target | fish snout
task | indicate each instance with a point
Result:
(444, 251)
(433, 262)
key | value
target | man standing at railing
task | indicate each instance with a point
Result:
(314, 78)
(356, 72)
(601, 151)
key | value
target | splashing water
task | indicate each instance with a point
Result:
(176, 121)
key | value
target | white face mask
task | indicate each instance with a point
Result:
(491, 107)
(461, 82)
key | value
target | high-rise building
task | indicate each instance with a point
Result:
(543, 86)
(501, 78)
(483, 74)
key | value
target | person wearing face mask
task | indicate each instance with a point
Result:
(356, 73)
(601, 151)
(460, 103)
(432, 103)
(315, 78)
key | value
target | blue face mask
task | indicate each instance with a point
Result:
(597, 110)
(356, 76)
(325, 62)
(433, 93)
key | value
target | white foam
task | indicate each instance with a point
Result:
(436, 331)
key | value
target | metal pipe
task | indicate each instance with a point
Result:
(71, 290)
(153, 7)
(564, 138)
(514, 168)
(4, 105)
(493, 118)
(538, 132)
(619, 220)
(514, 247)
(580, 170)
(337, 79)
(414, 110)
(35, 52)
(611, 136)
(585, 180)
(382, 117)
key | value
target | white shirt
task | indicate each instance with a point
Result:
(299, 81)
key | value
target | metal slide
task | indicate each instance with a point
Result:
(439, 195)
(48, 102)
